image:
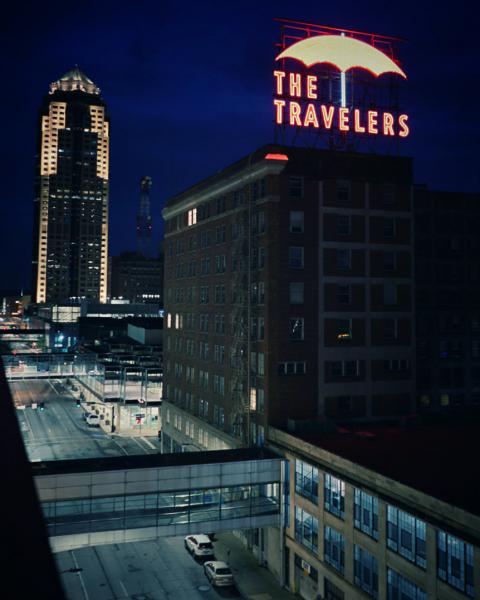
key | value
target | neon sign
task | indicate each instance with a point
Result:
(294, 90)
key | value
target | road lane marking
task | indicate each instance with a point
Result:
(82, 583)
(149, 443)
(124, 589)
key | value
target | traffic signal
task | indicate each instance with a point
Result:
(78, 403)
(41, 405)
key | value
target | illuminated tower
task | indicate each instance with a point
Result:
(144, 219)
(71, 192)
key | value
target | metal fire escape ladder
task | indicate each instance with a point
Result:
(243, 249)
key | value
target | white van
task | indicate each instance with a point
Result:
(93, 420)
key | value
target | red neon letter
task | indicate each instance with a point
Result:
(279, 104)
(388, 124)
(356, 120)
(279, 75)
(402, 121)
(312, 87)
(327, 116)
(295, 114)
(295, 85)
(310, 116)
(372, 121)
(343, 116)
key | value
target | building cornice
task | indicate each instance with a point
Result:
(223, 186)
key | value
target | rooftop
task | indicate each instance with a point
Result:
(437, 459)
(74, 79)
(314, 162)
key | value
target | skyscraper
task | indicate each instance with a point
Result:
(71, 192)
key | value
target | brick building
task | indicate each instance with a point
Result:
(288, 296)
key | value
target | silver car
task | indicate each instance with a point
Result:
(199, 545)
(218, 572)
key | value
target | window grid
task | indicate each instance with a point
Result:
(334, 490)
(366, 513)
(406, 535)
(334, 549)
(306, 480)
(366, 571)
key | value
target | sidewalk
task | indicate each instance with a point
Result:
(253, 581)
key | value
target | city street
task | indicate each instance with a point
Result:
(159, 570)
(59, 431)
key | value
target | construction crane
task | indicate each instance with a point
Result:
(144, 219)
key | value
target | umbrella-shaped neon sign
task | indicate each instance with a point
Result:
(342, 52)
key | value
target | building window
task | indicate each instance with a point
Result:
(455, 562)
(343, 192)
(261, 292)
(204, 294)
(389, 229)
(295, 187)
(295, 257)
(220, 263)
(344, 259)
(306, 529)
(389, 194)
(343, 294)
(261, 436)
(192, 217)
(343, 225)
(389, 261)
(344, 329)
(389, 294)
(220, 234)
(261, 364)
(296, 221)
(399, 587)
(296, 329)
(306, 480)
(390, 330)
(366, 513)
(296, 293)
(220, 294)
(334, 549)
(334, 490)
(343, 368)
(292, 368)
(366, 571)
(396, 365)
(406, 535)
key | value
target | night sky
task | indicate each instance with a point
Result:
(189, 88)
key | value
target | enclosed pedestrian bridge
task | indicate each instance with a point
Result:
(90, 502)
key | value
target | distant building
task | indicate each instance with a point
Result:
(137, 278)
(71, 193)
(289, 295)
(447, 273)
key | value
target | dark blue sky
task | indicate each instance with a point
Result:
(188, 87)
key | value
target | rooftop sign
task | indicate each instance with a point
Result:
(297, 98)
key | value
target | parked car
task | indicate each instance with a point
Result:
(218, 572)
(199, 545)
(93, 420)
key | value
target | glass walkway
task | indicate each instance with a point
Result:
(90, 502)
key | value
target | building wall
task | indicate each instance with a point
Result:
(447, 272)
(310, 577)
(291, 280)
(137, 278)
